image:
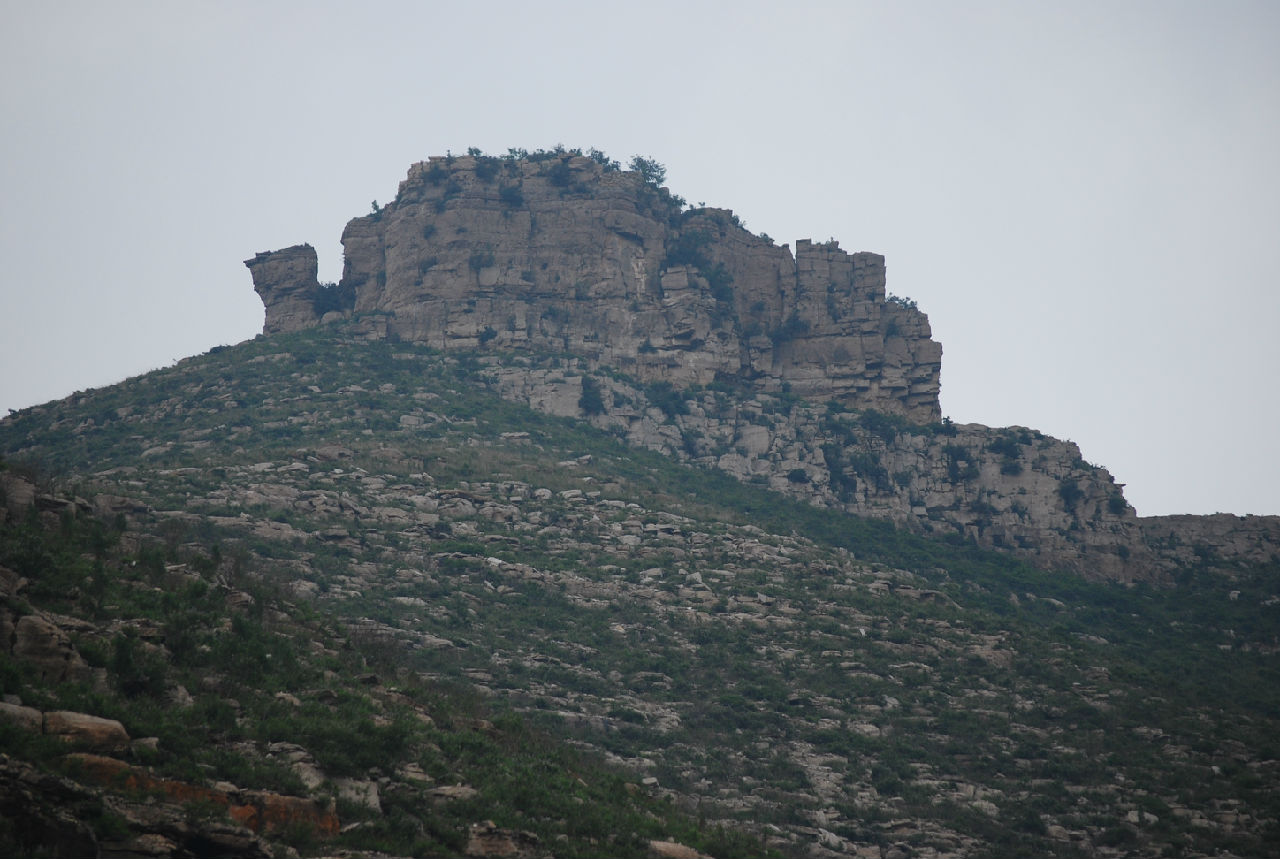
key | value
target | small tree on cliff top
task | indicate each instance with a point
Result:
(649, 169)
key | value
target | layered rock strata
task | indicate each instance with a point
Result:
(566, 254)
(1008, 488)
(288, 284)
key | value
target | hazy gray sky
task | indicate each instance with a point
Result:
(1084, 197)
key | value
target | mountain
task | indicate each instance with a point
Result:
(346, 588)
(797, 370)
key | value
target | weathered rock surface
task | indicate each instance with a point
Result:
(43, 810)
(27, 718)
(37, 639)
(563, 254)
(1009, 488)
(47, 816)
(258, 810)
(1222, 536)
(82, 729)
(10, 584)
(288, 279)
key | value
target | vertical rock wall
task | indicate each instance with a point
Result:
(286, 281)
(563, 254)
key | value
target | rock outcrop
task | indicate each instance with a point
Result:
(37, 639)
(1187, 540)
(1008, 488)
(566, 254)
(836, 382)
(84, 730)
(287, 280)
(258, 810)
(488, 840)
(51, 815)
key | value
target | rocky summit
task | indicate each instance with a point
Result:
(401, 578)
(796, 370)
(569, 254)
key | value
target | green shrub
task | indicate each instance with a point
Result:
(1005, 446)
(609, 165)
(650, 170)
(1070, 492)
(487, 168)
(721, 282)
(560, 174)
(333, 296)
(884, 425)
(664, 396)
(591, 402)
(957, 454)
(511, 195)
(789, 330)
(688, 248)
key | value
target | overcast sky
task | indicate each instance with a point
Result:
(1084, 197)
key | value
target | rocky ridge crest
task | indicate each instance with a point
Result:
(834, 382)
(566, 254)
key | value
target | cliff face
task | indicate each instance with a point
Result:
(1007, 488)
(564, 254)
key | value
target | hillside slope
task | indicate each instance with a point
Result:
(796, 678)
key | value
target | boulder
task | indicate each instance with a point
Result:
(360, 792)
(10, 584)
(28, 718)
(82, 729)
(38, 640)
(16, 494)
(674, 850)
(273, 812)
